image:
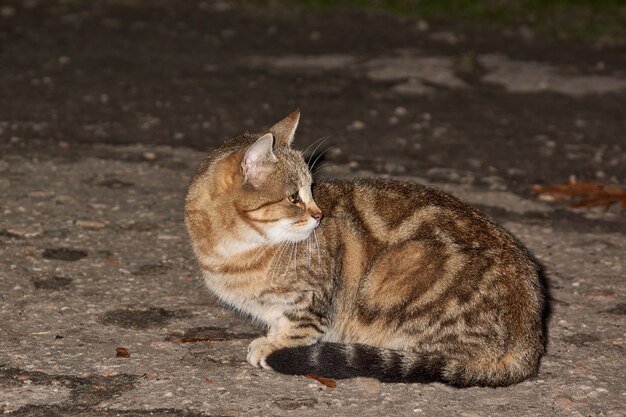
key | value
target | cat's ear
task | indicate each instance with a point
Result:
(285, 130)
(258, 159)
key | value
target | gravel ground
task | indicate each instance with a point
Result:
(107, 109)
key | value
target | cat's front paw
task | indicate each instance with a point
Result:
(259, 350)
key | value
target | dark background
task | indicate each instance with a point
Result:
(186, 73)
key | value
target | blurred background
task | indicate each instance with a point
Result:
(500, 93)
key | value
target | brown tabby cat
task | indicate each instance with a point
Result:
(367, 277)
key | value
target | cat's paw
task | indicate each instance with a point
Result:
(259, 350)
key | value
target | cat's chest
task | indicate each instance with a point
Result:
(244, 293)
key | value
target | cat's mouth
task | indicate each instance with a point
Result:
(302, 229)
(310, 223)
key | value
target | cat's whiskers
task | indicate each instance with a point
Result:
(319, 258)
(308, 249)
(275, 265)
(288, 263)
(323, 138)
(315, 150)
(291, 257)
(311, 166)
(285, 247)
(319, 168)
(294, 247)
(296, 260)
(261, 251)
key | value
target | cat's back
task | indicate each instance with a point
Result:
(384, 194)
(393, 210)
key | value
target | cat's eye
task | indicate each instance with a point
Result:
(294, 198)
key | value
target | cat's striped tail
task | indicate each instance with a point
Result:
(340, 361)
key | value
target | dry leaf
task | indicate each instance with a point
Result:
(111, 261)
(330, 383)
(583, 194)
(121, 352)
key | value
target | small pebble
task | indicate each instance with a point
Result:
(369, 385)
(394, 168)
(90, 224)
(334, 153)
(23, 233)
(422, 26)
(357, 125)
(400, 111)
(108, 372)
(564, 401)
(40, 194)
(7, 11)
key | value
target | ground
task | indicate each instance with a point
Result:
(108, 108)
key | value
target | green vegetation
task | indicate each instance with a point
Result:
(563, 19)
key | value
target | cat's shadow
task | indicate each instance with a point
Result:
(546, 314)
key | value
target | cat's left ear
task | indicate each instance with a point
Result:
(258, 159)
(285, 130)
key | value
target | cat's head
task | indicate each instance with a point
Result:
(261, 187)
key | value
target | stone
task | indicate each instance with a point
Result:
(90, 224)
(357, 125)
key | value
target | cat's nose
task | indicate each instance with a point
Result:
(317, 215)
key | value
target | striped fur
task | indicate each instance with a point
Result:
(397, 281)
(348, 361)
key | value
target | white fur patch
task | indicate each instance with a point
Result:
(284, 231)
(279, 231)
(265, 313)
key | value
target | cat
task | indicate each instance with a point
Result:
(369, 277)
